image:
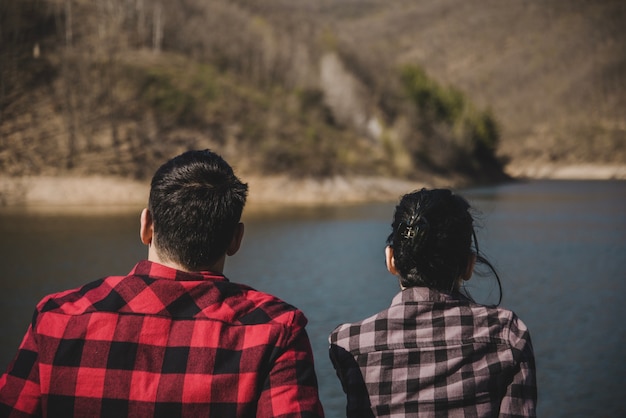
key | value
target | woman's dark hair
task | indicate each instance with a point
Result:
(196, 203)
(433, 239)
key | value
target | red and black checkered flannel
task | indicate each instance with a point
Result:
(163, 343)
(430, 354)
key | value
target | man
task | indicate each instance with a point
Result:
(174, 337)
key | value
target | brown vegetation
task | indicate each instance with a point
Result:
(552, 72)
(310, 88)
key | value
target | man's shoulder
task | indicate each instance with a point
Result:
(74, 299)
(218, 300)
(255, 307)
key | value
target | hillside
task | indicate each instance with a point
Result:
(313, 89)
(553, 72)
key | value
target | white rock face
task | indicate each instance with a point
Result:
(346, 97)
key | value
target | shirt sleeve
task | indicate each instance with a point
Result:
(20, 394)
(520, 399)
(349, 374)
(290, 389)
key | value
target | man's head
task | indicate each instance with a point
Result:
(194, 210)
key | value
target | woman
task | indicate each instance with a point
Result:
(434, 351)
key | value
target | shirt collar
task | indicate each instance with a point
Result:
(420, 294)
(160, 271)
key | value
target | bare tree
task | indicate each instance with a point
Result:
(157, 34)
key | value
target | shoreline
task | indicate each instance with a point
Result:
(583, 171)
(101, 193)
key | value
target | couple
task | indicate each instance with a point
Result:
(176, 338)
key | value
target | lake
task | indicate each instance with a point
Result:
(559, 247)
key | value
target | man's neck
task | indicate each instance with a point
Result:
(153, 255)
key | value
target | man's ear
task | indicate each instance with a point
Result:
(235, 243)
(146, 230)
(391, 262)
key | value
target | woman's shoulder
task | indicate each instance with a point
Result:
(499, 320)
(352, 335)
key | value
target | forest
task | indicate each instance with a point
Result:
(303, 88)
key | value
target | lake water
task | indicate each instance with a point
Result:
(560, 247)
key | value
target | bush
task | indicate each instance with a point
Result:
(178, 95)
(467, 137)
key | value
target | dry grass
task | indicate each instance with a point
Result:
(553, 72)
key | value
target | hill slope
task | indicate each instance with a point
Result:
(553, 72)
(311, 87)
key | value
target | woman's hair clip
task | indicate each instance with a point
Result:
(409, 233)
(414, 226)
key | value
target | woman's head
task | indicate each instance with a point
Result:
(433, 240)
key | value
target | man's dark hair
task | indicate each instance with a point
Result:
(196, 203)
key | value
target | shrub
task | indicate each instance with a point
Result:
(178, 95)
(470, 136)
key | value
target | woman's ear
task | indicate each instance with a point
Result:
(391, 262)
(470, 267)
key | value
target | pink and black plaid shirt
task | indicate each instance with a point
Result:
(163, 343)
(431, 354)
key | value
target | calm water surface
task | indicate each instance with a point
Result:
(559, 247)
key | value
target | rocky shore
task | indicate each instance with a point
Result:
(112, 193)
(581, 171)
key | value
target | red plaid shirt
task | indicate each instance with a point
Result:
(161, 342)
